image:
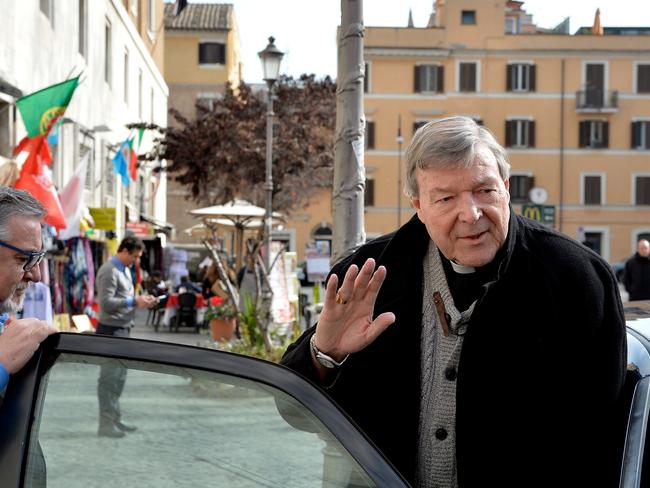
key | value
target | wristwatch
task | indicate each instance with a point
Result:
(323, 358)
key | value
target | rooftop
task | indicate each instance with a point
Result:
(199, 16)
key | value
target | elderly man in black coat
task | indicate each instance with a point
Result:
(475, 347)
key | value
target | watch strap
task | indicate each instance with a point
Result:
(324, 359)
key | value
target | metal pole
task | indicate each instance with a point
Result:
(400, 140)
(268, 186)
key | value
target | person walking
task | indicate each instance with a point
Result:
(636, 276)
(117, 305)
(474, 346)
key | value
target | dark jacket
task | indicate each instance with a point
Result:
(542, 363)
(636, 277)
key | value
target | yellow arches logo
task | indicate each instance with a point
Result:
(533, 213)
(49, 117)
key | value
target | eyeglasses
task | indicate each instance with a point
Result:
(33, 257)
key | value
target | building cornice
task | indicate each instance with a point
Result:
(424, 52)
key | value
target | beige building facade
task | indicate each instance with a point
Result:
(202, 54)
(572, 110)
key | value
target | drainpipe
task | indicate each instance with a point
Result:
(561, 205)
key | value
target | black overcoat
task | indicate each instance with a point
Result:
(542, 364)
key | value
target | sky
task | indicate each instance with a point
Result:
(306, 29)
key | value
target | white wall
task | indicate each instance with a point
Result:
(34, 54)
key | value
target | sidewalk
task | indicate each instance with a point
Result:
(185, 335)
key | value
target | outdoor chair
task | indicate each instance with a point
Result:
(186, 313)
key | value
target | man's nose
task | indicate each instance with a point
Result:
(469, 210)
(33, 274)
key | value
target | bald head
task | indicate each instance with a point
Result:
(643, 248)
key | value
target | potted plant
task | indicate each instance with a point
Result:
(222, 317)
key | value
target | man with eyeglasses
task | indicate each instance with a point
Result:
(21, 251)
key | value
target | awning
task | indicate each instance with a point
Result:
(164, 227)
(9, 89)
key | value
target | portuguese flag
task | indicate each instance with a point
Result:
(40, 110)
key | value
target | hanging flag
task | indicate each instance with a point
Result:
(40, 110)
(125, 161)
(35, 178)
(72, 200)
(179, 5)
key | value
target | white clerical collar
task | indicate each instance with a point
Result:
(460, 269)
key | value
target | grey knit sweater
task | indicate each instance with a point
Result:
(439, 360)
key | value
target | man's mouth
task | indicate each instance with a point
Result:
(474, 237)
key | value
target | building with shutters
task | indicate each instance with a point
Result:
(573, 110)
(202, 54)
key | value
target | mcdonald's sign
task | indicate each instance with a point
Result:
(541, 213)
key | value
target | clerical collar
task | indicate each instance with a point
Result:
(461, 269)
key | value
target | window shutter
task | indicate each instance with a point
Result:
(509, 70)
(643, 78)
(467, 77)
(509, 125)
(532, 78)
(531, 133)
(636, 135)
(366, 74)
(370, 135)
(441, 79)
(369, 193)
(605, 134)
(584, 134)
(416, 79)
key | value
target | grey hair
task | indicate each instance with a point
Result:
(452, 142)
(17, 202)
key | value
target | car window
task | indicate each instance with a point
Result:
(194, 428)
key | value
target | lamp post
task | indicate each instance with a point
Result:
(271, 58)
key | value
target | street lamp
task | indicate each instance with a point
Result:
(271, 58)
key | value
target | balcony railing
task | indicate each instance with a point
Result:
(596, 99)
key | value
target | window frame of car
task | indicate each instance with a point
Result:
(17, 412)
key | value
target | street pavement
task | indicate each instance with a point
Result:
(185, 335)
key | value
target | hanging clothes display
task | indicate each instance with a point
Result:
(38, 302)
(79, 276)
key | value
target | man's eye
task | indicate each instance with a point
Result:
(444, 199)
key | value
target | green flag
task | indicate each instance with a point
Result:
(41, 109)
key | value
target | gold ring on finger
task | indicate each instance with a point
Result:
(340, 299)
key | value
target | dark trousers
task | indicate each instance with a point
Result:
(112, 377)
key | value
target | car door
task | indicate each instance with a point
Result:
(205, 418)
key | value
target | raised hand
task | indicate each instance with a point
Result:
(346, 324)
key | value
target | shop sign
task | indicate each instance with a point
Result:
(541, 213)
(104, 217)
(139, 229)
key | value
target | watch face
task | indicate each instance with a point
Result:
(325, 361)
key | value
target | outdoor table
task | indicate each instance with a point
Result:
(171, 308)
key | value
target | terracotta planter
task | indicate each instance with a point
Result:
(222, 329)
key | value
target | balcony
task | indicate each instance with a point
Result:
(597, 100)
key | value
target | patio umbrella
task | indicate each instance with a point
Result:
(240, 214)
